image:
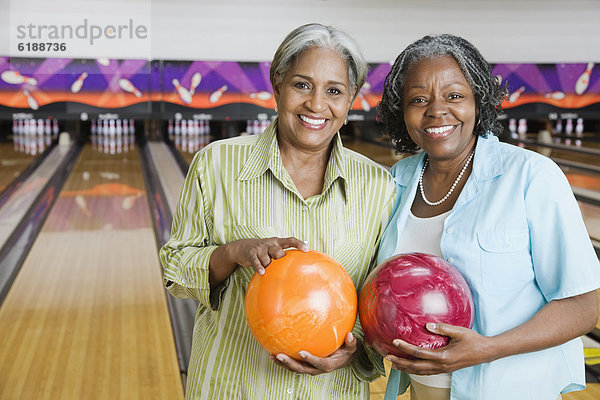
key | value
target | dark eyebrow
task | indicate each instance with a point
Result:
(308, 78)
(445, 87)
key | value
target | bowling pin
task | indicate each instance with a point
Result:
(103, 61)
(262, 95)
(55, 128)
(78, 84)
(579, 127)
(364, 103)
(111, 127)
(127, 86)
(558, 95)
(216, 95)
(522, 128)
(183, 127)
(40, 127)
(177, 128)
(48, 128)
(584, 80)
(119, 128)
(515, 95)
(512, 127)
(184, 94)
(569, 127)
(558, 128)
(33, 104)
(15, 78)
(196, 79)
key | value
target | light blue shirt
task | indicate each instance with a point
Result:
(517, 236)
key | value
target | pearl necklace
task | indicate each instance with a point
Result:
(437, 203)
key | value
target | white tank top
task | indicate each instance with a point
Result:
(424, 235)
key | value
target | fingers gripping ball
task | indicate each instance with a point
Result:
(304, 301)
(407, 291)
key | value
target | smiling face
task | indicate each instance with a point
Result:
(439, 108)
(313, 99)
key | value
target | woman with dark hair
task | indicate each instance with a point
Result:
(247, 199)
(505, 217)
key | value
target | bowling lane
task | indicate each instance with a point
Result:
(186, 155)
(87, 316)
(567, 154)
(12, 163)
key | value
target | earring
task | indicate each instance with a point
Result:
(276, 110)
(346, 121)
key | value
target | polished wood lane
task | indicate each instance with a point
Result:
(12, 163)
(86, 317)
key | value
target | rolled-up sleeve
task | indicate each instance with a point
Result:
(185, 257)
(563, 257)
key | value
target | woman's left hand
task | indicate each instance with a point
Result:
(314, 365)
(466, 348)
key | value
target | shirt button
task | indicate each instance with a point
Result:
(449, 230)
(450, 260)
(289, 390)
(305, 208)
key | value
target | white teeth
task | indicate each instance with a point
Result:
(439, 130)
(312, 121)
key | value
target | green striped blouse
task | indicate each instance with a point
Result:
(238, 188)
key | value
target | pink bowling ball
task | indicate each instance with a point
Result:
(407, 291)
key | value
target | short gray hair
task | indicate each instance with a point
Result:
(321, 36)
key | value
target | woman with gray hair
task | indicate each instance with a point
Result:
(504, 216)
(247, 199)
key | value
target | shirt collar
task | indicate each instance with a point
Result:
(263, 151)
(487, 162)
(265, 155)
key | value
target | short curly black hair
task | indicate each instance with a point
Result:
(488, 92)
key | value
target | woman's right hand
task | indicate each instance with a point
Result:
(257, 253)
(250, 253)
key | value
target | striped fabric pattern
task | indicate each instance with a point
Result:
(238, 188)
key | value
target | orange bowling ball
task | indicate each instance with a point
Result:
(304, 301)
